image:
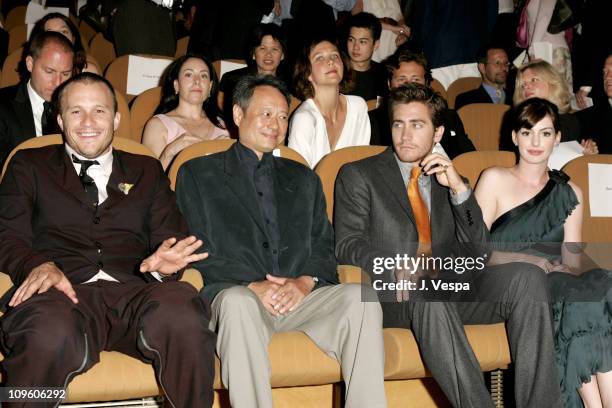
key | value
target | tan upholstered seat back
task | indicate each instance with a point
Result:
(119, 143)
(142, 110)
(439, 88)
(594, 229)
(102, 50)
(460, 86)
(482, 123)
(17, 36)
(10, 76)
(215, 146)
(15, 17)
(471, 164)
(330, 165)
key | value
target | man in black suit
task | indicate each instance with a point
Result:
(409, 205)
(405, 67)
(596, 121)
(271, 266)
(493, 66)
(94, 242)
(25, 109)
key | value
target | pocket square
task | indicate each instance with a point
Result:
(125, 188)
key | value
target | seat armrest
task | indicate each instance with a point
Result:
(352, 274)
(194, 277)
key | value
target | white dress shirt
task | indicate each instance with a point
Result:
(37, 108)
(100, 175)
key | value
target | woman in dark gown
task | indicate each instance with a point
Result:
(535, 215)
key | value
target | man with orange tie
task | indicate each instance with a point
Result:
(409, 220)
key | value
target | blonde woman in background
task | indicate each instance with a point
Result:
(539, 79)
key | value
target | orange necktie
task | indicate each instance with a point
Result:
(419, 209)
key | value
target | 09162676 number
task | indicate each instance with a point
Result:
(31, 394)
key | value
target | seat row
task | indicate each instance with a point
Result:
(302, 375)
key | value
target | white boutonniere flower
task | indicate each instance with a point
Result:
(125, 188)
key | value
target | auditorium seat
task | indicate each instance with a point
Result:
(407, 381)
(102, 50)
(439, 88)
(482, 123)
(17, 36)
(15, 17)
(181, 47)
(460, 86)
(10, 76)
(215, 146)
(471, 164)
(143, 107)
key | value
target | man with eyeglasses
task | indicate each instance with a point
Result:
(494, 67)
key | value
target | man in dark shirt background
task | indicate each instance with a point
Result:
(363, 39)
(405, 67)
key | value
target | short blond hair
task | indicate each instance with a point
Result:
(559, 92)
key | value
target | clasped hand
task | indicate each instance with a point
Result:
(282, 295)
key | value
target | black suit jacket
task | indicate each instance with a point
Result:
(45, 216)
(454, 141)
(596, 124)
(221, 208)
(478, 95)
(16, 118)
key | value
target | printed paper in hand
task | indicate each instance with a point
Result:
(563, 153)
(543, 50)
(600, 189)
(144, 73)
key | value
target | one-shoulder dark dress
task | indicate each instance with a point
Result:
(583, 330)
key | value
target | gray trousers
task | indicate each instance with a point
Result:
(514, 293)
(334, 317)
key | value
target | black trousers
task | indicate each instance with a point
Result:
(48, 340)
(513, 293)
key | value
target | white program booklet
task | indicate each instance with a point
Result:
(600, 189)
(227, 66)
(144, 73)
(564, 153)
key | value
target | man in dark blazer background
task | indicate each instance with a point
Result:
(405, 67)
(596, 121)
(375, 221)
(94, 242)
(271, 266)
(493, 66)
(25, 109)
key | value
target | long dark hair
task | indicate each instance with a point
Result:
(170, 99)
